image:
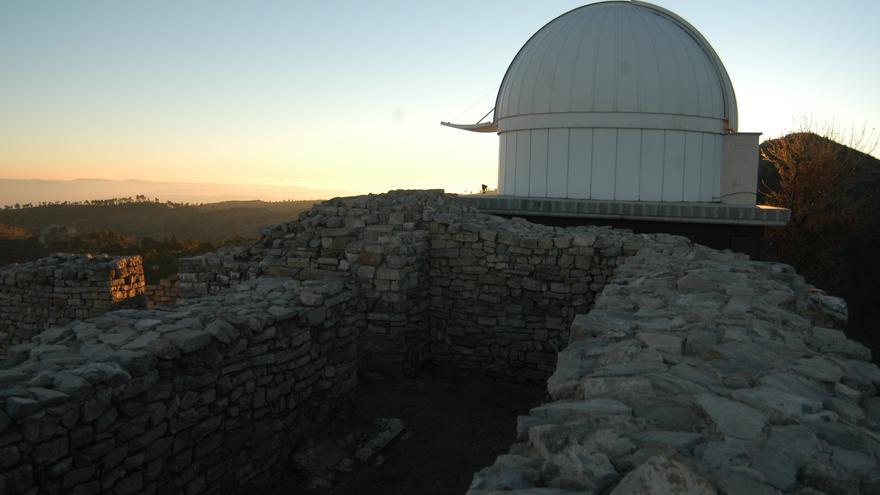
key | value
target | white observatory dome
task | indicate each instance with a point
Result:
(621, 101)
(620, 57)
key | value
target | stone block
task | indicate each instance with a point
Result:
(188, 340)
(663, 475)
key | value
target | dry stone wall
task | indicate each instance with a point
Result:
(213, 272)
(209, 396)
(442, 282)
(701, 372)
(62, 288)
(163, 293)
(503, 293)
(678, 369)
(379, 242)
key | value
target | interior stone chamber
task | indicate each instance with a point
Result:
(440, 281)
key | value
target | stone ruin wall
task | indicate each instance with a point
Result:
(504, 293)
(675, 362)
(206, 396)
(377, 242)
(211, 273)
(163, 293)
(701, 372)
(61, 288)
(442, 282)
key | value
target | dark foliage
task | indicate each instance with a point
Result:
(834, 236)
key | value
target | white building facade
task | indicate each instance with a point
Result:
(621, 101)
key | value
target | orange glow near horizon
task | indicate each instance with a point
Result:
(101, 93)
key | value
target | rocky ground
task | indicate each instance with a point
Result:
(453, 425)
(701, 372)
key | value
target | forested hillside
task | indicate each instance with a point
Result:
(143, 218)
(161, 232)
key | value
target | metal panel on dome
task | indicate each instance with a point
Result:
(686, 84)
(650, 95)
(629, 68)
(566, 63)
(580, 98)
(602, 77)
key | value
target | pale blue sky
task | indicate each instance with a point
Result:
(350, 94)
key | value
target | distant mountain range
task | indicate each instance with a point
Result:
(35, 191)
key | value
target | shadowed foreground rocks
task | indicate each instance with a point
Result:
(452, 425)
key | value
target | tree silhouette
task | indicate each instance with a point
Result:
(816, 180)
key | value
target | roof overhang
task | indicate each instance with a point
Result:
(484, 127)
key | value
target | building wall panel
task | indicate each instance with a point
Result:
(502, 161)
(538, 164)
(693, 166)
(629, 159)
(611, 164)
(557, 163)
(709, 173)
(673, 165)
(604, 163)
(510, 165)
(580, 163)
(716, 184)
(651, 171)
(523, 155)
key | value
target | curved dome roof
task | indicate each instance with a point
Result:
(611, 58)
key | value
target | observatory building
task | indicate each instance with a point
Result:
(622, 111)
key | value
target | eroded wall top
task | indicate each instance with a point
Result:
(63, 287)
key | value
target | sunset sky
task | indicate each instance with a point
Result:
(349, 95)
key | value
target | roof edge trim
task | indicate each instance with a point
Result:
(618, 120)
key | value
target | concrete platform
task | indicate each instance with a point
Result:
(702, 213)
